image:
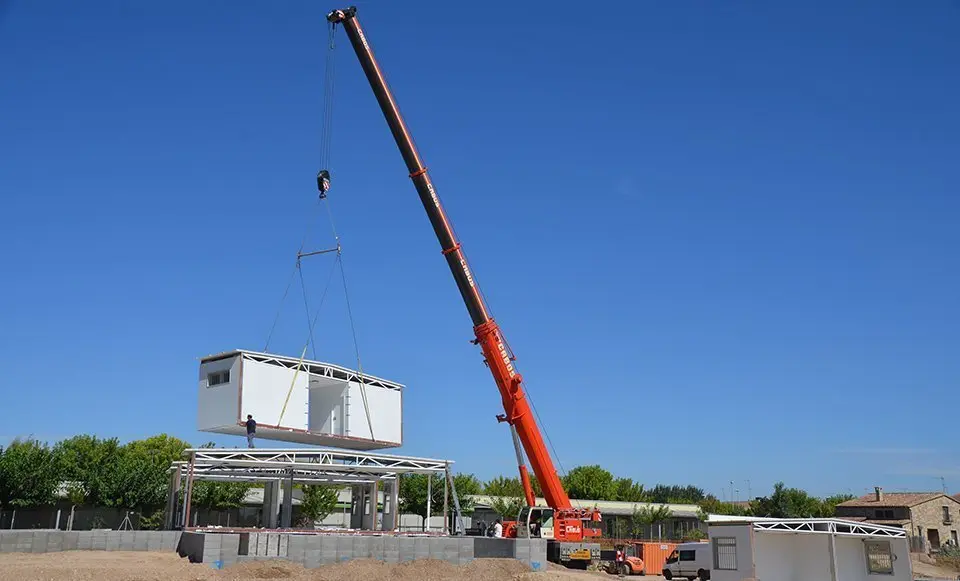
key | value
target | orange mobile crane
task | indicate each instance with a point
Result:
(560, 522)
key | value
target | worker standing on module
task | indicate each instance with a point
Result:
(251, 430)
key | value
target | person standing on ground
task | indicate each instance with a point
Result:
(251, 430)
(498, 529)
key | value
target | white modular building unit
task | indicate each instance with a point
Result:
(745, 548)
(294, 400)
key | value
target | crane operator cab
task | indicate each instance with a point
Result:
(535, 522)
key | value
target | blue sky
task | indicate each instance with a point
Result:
(721, 238)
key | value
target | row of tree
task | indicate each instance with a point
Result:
(595, 483)
(92, 471)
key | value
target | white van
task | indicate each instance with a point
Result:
(690, 560)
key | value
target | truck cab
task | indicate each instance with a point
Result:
(535, 522)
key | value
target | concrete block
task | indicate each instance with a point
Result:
(296, 548)
(230, 545)
(84, 540)
(408, 550)
(490, 548)
(361, 547)
(261, 545)
(310, 543)
(283, 544)
(112, 540)
(24, 542)
(169, 540)
(451, 550)
(55, 541)
(344, 548)
(99, 541)
(141, 538)
(71, 540)
(126, 540)
(538, 554)
(8, 542)
(376, 548)
(328, 550)
(465, 554)
(155, 541)
(39, 542)
(421, 548)
(391, 549)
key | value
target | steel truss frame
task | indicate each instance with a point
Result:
(837, 527)
(303, 466)
(318, 368)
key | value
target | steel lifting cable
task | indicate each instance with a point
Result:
(325, 140)
(353, 327)
(293, 273)
(310, 340)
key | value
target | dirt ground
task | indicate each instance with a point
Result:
(924, 570)
(140, 566)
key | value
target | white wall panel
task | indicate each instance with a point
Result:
(264, 390)
(217, 405)
(787, 556)
(386, 414)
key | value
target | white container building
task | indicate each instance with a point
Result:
(746, 548)
(294, 400)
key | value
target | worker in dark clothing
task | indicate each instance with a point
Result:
(251, 430)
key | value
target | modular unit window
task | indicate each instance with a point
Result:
(218, 377)
(879, 557)
(725, 553)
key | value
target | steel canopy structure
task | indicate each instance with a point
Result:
(364, 472)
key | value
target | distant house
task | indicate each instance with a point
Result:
(933, 517)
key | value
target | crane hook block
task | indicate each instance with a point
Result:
(323, 183)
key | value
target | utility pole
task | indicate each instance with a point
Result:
(749, 492)
(943, 484)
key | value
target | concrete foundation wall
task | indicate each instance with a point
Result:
(40, 541)
(310, 550)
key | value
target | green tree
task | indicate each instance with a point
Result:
(140, 478)
(667, 494)
(29, 474)
(214, 495)
(219, 495)
(508, 496)
(712, 505)
(467, 486)
(626, 490)
(317, 503)
(88, 464)
(644, 516)
(828, 505)
(413, 493)
(590, 483)
(503, 486)
(786, 503)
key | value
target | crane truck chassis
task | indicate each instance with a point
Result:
(567, 529)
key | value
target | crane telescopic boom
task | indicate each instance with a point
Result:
(488, 335)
